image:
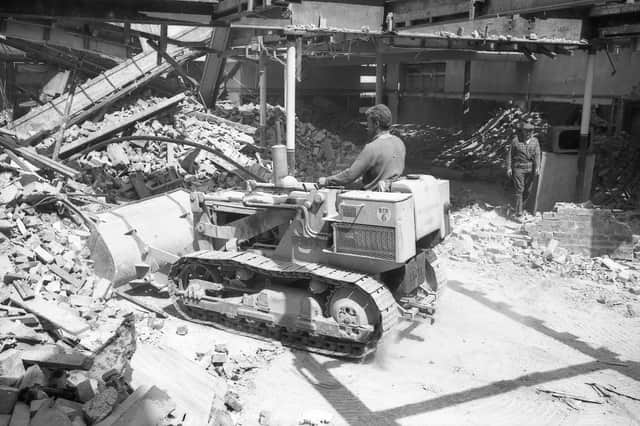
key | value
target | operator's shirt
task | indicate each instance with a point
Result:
(381, 159)
(523, 155)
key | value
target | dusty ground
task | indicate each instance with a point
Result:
(502, 333)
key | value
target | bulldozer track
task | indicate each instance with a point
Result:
(275, 269)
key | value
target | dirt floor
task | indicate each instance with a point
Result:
(503, 334)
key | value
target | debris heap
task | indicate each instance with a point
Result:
(483, 235)
(319, 152)
(616, 181)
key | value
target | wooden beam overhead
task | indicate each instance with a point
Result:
(508, 27)
(59, 36)
(614, 9)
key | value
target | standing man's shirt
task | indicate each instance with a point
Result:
(381, 159)
(525, 155)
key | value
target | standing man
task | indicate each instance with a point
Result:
(381, 160)
(523, 165)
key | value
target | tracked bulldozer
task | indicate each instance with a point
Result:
(328, 270)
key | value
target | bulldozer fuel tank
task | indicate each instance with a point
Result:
(146, 234)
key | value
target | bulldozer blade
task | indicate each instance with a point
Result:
(155, 231)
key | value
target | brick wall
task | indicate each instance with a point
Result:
(586, 231)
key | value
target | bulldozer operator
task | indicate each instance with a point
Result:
(382, 159)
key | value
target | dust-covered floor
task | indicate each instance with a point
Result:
(508, 343)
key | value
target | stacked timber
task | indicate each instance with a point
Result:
(616, 180)
(487, 147)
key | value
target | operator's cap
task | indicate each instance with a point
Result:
(381, 113)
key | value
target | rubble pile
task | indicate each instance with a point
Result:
(616, 181)
(486, 148)
(67, 336)
(318, 152)
(159, 165)
(64, 342)
(481, 234)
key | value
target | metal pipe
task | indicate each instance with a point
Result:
(263, 97)
(582, 192)
(279, 158)
(291, 106)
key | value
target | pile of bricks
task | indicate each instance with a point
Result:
(558, 242)
(587, 231)
(65, 342)
(138, 168)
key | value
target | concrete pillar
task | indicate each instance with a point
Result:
(291, 106)
(262, 83)
(582, 192)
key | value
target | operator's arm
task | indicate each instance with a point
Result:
(357, 169)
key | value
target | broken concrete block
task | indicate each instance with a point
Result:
(70, 408)
(101, 405)
(21, 415)
(87, 389)
(612, 265)
(33, 376)
(551, 246)
(102, 289)
(264, 419)
(50, 416)
(11, 367)
(8, 398)
(78, 421)
(218, 358)
(221, 418)
(145, 406)
(43, 255)
(10, 193)
(232, 401)
(77, 300)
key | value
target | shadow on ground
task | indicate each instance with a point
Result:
(355, 412)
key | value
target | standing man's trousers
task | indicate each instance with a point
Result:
(522, 178)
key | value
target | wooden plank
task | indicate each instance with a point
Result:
(118, 79)
(620, 30)
(407, 11)
(504, 7)
(51, 356)
(614, 9)
(515, 26)
(79, 144)
(58, 36)
(58, 315)
(213, 65)
(67, 277)
(41, 161)
(145, 407)
(148, 360)
(245, 128)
